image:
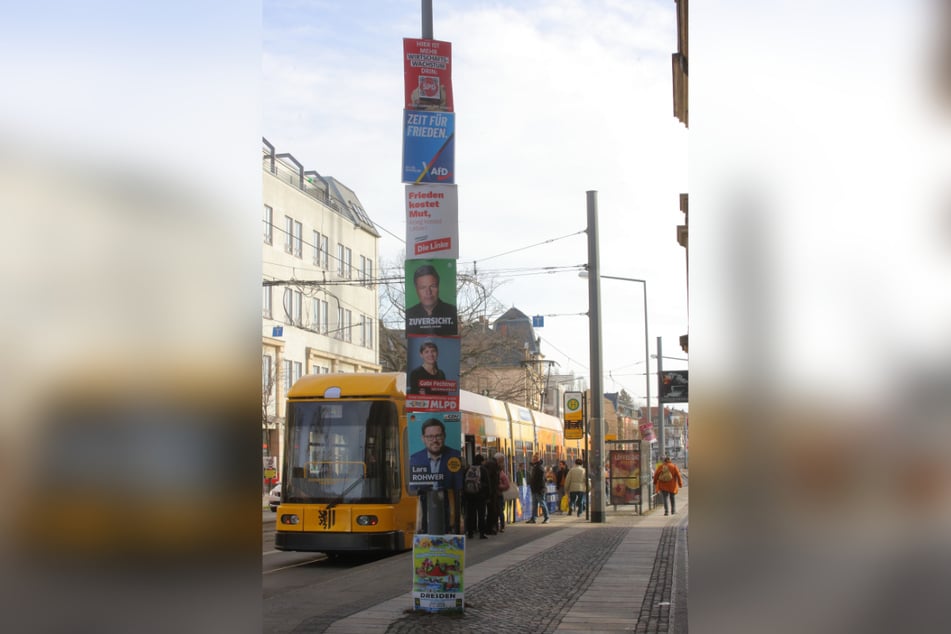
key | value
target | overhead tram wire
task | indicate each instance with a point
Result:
(531, 246)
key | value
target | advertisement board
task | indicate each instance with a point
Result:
(438, 566)
(429, 150)
(427, 74)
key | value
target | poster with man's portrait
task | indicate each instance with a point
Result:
(431, 298)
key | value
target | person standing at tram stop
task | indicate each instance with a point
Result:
(537, 483)
(560, 473)
(667, 480)
(491, 467)
(575, 486)
(476, 501)
(504, 484)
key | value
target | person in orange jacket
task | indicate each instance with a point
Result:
(667, 480)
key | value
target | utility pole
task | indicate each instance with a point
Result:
(660, 402)
(595, 464)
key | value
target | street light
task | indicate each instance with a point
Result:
(647, 355)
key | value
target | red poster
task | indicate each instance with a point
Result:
(427, 73)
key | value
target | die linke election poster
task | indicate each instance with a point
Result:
(429, 149)
(427, 73)
(432, 222)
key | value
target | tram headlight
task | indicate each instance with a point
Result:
(289, 518)
(367, 520)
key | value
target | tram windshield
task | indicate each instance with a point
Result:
(342, 452)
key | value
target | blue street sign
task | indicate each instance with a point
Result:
(277, 331)
(538, 321)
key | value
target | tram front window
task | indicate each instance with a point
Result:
(342, 452)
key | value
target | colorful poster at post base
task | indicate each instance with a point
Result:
(427, 74)
(429, 149)
(432, 374)
(431, 298)
(438, 566)
(432, 221)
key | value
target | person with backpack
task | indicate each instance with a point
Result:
(475, 491)
(538, 485)
(667, 480)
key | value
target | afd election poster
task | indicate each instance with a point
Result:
(427, 74)
(435, 445)
(438, 564)
(431, 298)
(432, 381)
(432, 221)
(429, 150)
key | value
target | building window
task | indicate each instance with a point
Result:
(268, 225)
(316, 245)
(266, 302)
(298, 239)
(319, 316)
(348, 319)
(338, 333)
(288, 234)
(324, 252)
(366, 331)
(292, 307)
(340, 268)
(288, 381)
(267, 380)
(348, 262)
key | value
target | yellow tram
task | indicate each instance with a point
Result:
(346, 455)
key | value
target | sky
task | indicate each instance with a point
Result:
(552, 99)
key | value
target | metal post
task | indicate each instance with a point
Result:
(647, 356)
(661, 439)
(427, 12)
(594, 334)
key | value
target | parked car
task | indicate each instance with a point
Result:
(274, 497)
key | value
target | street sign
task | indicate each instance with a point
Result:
(573, 411)
(538, 321)
(574, 416)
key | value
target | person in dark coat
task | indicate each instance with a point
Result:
(475, 503)
(536, 482)
(492, 501)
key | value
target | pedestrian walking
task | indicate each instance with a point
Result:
(575, 485)
(667, 480)
(537, 483)
(475, 490)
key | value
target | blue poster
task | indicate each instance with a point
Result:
(429, 149)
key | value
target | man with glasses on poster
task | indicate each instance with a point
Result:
(437, 466)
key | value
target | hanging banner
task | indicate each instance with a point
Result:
(431, 298)
(438, 563)
(432, 382)
(429, 150)
(432, 221)
(427, 74)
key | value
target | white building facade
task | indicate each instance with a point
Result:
(320, 301)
